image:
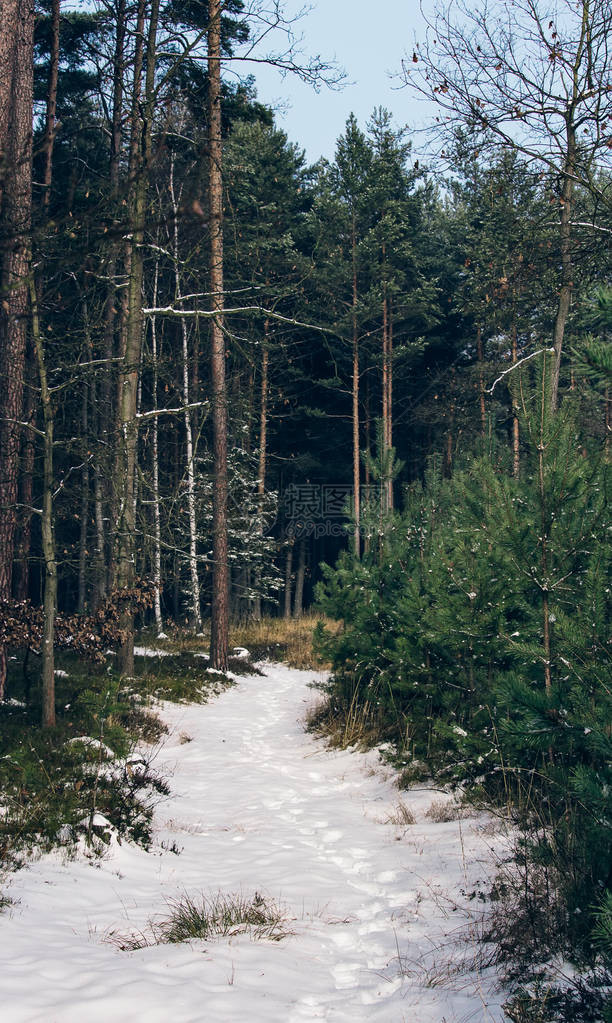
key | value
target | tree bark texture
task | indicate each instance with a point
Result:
(47, 527)
(129, 372)
(105, 502)
(356, 457)
(481, 382)
(298, 602)
(516, 437)
(261, 480)
(157, 580)
(83, 552)
(583, 49)
(288, 578)
(387, 398)
(16, 74)
(21, 585)
(190, 467)
(50, 126)
(567, 284)
(220, 584)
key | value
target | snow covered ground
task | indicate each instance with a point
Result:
(377, 910)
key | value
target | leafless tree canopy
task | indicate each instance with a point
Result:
(522, 73)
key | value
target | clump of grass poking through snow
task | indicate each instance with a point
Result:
(402, 816)
(202, 918)
(443, 811)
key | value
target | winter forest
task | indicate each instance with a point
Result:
(352, 417)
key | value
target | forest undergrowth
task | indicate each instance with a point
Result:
(475, 644)
(93, 777)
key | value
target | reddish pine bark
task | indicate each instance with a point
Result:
(219, 627)
(16, 45)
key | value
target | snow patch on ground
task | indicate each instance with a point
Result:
(148, 651)
(376, 910)
(91, 743)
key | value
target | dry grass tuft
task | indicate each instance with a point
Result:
(401, 817)
(280, 639)
(443, 811)
(206, 917)
(343, 726)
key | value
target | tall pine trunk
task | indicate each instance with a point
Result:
(481, 383)
(129, 373)
(220, 584)
(50, 126)
(26, 480)
(47, 527)
(356, 459)
(16, 84)
(288, 578)
(83, 553)
(387, 396)
(544, 537)
(567, 284)
(261, 479)
(298, 600)
(516, 438)
(103, 488)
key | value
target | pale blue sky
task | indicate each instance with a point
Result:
(369, 41)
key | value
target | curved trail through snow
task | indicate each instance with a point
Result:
(376, 910)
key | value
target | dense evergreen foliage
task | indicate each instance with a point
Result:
(397, 436)
(476, 637)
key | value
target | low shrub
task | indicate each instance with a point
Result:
(475, 638)
(52, 781)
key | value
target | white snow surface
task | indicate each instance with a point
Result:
(375, 910)
(147, 651)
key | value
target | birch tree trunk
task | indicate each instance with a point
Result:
(159, 624)
(191, 495)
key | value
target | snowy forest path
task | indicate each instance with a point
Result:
(374, 906)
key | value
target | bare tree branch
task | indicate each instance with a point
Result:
(541, 351)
